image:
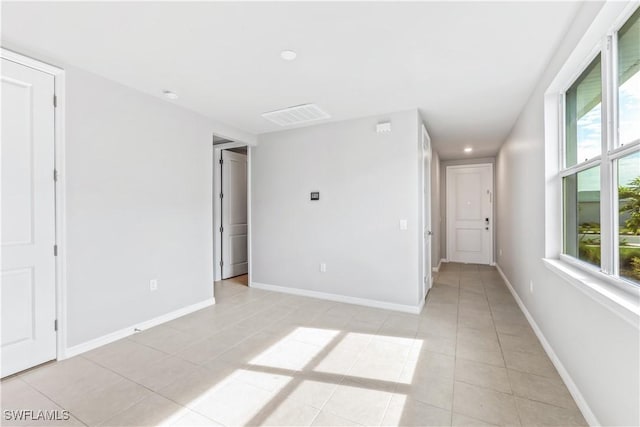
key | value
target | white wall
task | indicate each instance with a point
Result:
(367, 183)
(138, 175)
(599, 350)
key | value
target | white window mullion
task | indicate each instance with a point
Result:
(614, 144)
(607, 239)
(615, 234)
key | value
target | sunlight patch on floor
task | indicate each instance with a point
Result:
(291, 352)
(312, 368)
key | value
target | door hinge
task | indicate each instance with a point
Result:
(55, 250)
(221, 161)
(221, 229)
(221, 263)
(221, 195)
(55, 101)
(55, 325)
(55, 175)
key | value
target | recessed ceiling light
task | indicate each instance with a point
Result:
(169, 94)
(288, 55)
(468, 150)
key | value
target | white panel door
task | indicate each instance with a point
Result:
(234, 214)
(469, 214)
(426, 212)
(28, 218)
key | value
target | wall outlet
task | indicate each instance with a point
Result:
(531, 286)
(153, 285)
(403, 224)
(500, 252)
(323, 267)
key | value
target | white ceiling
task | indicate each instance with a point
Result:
(468, 67)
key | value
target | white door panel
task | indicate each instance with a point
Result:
(234, 214)
(468, 196)
(470, 214)
(28, 218)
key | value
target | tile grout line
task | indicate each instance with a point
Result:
(49, 398)
(455, 354)
(503, 358)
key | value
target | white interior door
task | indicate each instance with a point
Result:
(28, 218)
(426, 212)
(470, 214)
(234, 214)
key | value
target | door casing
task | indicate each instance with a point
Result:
(427, 226)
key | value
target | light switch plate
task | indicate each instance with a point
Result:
(403, 224)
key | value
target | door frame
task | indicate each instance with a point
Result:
(217, 206)
(448, 168)
(59, 190)
(425, 263)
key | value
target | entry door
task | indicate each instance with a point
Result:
(234, 214)
(426, 212)
(470, 214)
(28, 218)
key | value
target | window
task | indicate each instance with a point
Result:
(583, 137)
(629, 80)
(600, 169)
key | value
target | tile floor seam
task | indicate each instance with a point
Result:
(49, 398)
(134, 401)
(455, 355)
(504, 363)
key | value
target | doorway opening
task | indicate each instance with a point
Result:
(231, 214)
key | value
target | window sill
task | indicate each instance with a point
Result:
(615, 296)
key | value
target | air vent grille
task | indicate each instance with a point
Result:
(296, 115)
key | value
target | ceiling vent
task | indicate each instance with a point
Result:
(296, 115)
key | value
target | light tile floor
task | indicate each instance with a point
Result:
(262, 358)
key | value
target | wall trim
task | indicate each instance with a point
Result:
(125, 332)
(414, 309)
(437, 267)
(564, 374)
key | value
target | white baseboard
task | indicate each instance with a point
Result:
(415, 309)
(125, 332)
(587, 413)
(437, 267)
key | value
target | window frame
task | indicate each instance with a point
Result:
(611, 151)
